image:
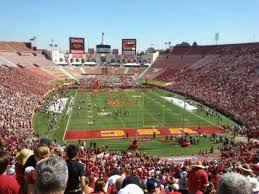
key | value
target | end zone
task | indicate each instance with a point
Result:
(85, 134)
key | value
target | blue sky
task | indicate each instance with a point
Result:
(149, 21)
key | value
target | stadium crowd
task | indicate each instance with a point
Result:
(94, 170)
(31, 165)
(20, 93)
(105, 81)
(229, 82)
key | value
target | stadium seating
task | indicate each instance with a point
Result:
(21, 92)
(225, 77)
(226, 81)
(18, 53)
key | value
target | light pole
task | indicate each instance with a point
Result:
(166, 45)
(33, 41)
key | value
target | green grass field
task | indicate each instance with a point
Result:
(135, 109)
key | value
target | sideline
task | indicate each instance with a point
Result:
(214, 124)
(68, 120)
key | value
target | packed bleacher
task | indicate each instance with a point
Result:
(122, 172)
(226, 78)
(21, 92)
(98, 81)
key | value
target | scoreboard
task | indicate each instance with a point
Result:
(103, 48)
(77, 45)
(129, 46)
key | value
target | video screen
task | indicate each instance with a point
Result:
(129, 46)
(77, 45)
(103, 48)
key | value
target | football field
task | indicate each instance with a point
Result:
(107, 117)
(121, 111)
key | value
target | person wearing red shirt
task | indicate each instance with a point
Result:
(197, 179)
(9, 185)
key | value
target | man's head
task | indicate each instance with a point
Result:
(72, 151)
(173, 187)
(153, 186)
(52, 175)
(131, 180)
(45, 141)
(234, 183)
(4, 159)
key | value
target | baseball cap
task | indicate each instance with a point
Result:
(152, 183)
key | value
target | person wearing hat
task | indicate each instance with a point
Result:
(8, 184)
(248, 173)
(245, 170)
(23, 156)
(21, 159)
(197, 179)
(153, 186)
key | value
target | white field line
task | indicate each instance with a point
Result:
(152, 114)
(82, 70)
(68, 74)
(123, 124)
(192, 113)
(68, 120)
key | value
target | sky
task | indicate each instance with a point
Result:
(151, 22)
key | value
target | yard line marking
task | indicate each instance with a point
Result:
(121, 121)
(68, 120)
(152, 114)
(192, 113)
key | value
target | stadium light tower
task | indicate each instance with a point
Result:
(217, 38)
(169, 43)
(102, 38)
(33, 41)
(166, 45)
(52, 45)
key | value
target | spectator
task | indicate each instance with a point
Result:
(173, 189)
(52, 176)
(87, 189)
(197, 179)
(8, 184)
(131, 185)
(234, 183)
(248, 173)
(153, 186)
(183, 186)
(100, 187)
(41, 152)
(76, 178)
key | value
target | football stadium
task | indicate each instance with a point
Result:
(122, 107)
